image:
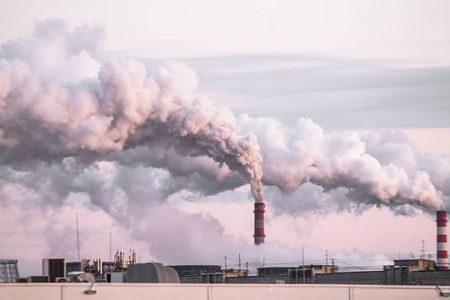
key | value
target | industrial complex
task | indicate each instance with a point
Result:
(186, 281)
(126, 269)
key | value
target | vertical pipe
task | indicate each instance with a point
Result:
(78, 238)
(110, 249)
(239, 265)
(442, 255)
(303, 266)
(259, 223)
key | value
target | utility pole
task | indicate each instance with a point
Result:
(326, 261)
(78, 238)
(422, 253)
(225, 262)
(239, 265)
(110, 247)
(303, 266)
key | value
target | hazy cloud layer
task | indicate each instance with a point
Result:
(335, 93)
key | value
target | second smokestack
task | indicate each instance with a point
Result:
(442, 255)
(259, 223)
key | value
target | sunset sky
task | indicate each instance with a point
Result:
(348, 102)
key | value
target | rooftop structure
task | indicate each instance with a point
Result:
(97, 268)
(198, 273)
(120, 261)
(151, 273)
(53, 268)
(8, 270)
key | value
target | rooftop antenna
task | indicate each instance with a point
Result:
(422, 252)
(110, 246)
(239, 264)
(303, 266)
(303, 257)
(78, 237)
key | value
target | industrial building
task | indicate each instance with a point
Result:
(151, 273)
(54, 268)
(199, 273)
(96, 267)
(99, 269)
(8, 270)
(401, 272)
(404, 279)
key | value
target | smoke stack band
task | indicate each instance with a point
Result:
(442, 255)
(259, 223)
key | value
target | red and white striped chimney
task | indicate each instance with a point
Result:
(441, 220)
(259, 223)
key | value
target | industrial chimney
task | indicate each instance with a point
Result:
(441, 220)
(259, 223)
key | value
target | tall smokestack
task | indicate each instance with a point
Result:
(259, 223)
(441, 220)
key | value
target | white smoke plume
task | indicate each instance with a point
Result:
(376, 169)
(69, 125)
(124, 110)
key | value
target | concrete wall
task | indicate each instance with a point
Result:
(111, 291)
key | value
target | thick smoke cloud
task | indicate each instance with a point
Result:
(129, 140)
(125, 110)
(56, 54)
(374, 169)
